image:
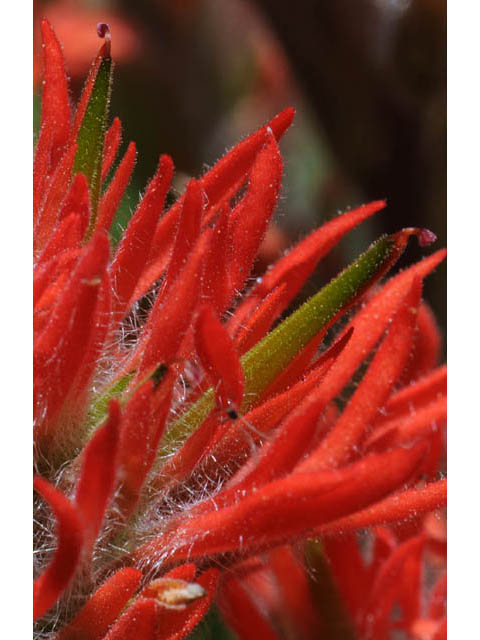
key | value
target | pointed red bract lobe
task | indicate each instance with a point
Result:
(134, 247)
(54, 580)
(170, 318)
(56, 116)
(220, 359)
(261, 319)
(113, 195)
(98, 474)
(251, 216)
(372, 392)
(78, 201)
(277, 511)
(113, 138)
(187, 232)
(219, 184)
(143, 423)
(410, 504)
(139, 622)
(61, 348)
(103, 607)
(66, 236)
(55, 194)
(387, 589)
(296, 265)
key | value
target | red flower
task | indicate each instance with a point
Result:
(173, 443)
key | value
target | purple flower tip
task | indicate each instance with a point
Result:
(102, 29)
(426, 237)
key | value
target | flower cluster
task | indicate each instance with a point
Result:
(192, 447)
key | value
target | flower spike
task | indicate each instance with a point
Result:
(308, 432)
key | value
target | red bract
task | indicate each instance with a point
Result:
(176, 430)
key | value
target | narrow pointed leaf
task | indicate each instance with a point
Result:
(371, 321)
(66, 236)
(263, 363)
(251, 216)
(295, 267)
(91, 134)
(61, 347)
(261, 319)
(266, 360)
(234, 444)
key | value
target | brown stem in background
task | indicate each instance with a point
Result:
(337, 624)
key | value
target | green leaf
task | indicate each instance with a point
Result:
(91, 135)
(267, 359)
(99, 408)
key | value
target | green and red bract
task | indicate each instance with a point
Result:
(175, 429)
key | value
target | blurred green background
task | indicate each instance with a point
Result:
(367, 78)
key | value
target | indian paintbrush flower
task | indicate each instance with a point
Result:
(180, 427)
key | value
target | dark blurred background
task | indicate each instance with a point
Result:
(367, 78)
